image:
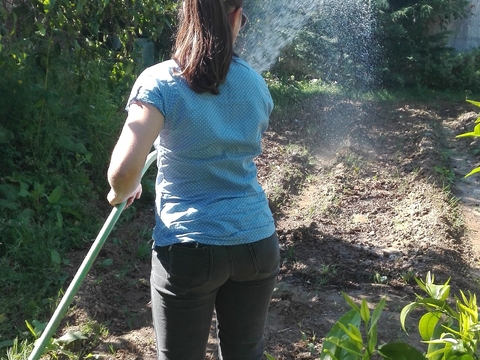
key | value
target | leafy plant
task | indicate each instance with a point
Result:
(61, 348)
(452, 333)
(67, 67)
(474, 133)
(345, 340)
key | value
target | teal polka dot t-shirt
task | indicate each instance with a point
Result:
(207, 188)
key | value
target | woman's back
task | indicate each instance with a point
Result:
(207, 188)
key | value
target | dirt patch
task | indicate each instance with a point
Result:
(360, 192)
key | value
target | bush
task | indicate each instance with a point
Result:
(452, 333)
(65, 78)
(384, 43)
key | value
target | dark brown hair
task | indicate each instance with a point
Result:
(204, 45)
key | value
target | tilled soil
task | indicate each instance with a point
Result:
(366, 195)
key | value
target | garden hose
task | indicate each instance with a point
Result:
(67, 299)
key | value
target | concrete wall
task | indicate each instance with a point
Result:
(466, 32)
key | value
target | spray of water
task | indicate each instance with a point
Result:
(273, 25)
(337, 35)
(334, 37)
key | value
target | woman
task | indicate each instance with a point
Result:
(215, 245)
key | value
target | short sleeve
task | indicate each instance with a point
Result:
(148, 89)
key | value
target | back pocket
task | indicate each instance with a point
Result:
(265, 254)
(189, 267)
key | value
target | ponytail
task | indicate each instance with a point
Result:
(204, 46)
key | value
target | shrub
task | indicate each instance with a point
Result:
(474, 133)
(450, 332)
(67, 67)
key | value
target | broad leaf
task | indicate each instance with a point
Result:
(400, 351)
(330, 349)
(351, 347)
(70, 336)
(427, 324)
(6, 343)
(55, 257)
(55, 195)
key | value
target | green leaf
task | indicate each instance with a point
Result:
(469, 134)
(351, 302)
(59, 222)
(107, 262)
(372, 339)
(73, 212)
(438, 292)
(268, 356)
(365, 312)
(440, 305)
(79, 8)
(24, 190)
(400, 351)
(6, 343)
(330, 349)
(36, 328)
(349, 346)
(461, 357)
(5, 134)
(352, 332)
(377, 312)
(476, 103)
(55, 195)
(70, 337)
(436, 349)
(427, 324)
(405, 311)
(474, 171)
(438, 353)
(476, 130)
(42, 30)
(55, 257)
(469, 312)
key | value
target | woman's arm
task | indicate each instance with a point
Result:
(141, 128)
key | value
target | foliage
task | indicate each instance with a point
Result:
(336, 46)
(413, 37)
(474, 133)
(389, 43)
(67, 67)
(64, 347)
(450, 332)
(345, 340)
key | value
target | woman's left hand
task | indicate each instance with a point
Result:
(114, 199)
